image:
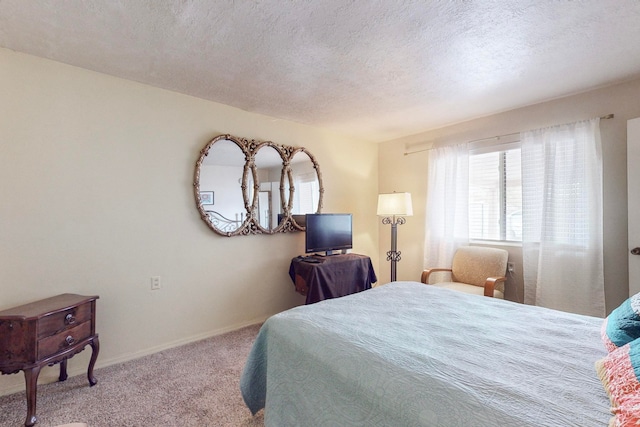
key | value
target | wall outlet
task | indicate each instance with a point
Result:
(155, 283)
(511, 268)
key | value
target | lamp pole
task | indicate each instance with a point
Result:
(394, 254)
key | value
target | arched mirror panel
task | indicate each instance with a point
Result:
(221, 174)
(251, 187)
(306, 181)
(268, 207)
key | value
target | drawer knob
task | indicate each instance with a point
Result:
(69, 319)
(70, 340)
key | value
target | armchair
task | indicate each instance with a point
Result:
(475, 270)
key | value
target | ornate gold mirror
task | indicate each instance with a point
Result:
(250, 187)
(222, 173)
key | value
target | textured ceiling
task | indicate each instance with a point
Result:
(377, 70)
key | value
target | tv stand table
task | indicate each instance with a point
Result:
(331, 276)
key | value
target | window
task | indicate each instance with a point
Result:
(307, 193)
(495, 195)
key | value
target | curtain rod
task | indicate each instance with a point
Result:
(406, 153)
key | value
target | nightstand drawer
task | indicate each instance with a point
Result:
(62, 340)
(57, 322)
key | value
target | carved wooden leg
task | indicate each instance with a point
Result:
(95, 349)
(63, 370)
(31, 381)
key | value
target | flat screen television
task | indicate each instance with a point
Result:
(328, 232)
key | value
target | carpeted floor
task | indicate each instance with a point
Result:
(196, 385)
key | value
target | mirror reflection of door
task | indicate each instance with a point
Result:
(268, 163)
(264, 209)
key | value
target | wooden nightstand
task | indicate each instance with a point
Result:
(47, 332)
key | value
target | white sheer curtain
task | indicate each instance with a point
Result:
(562, 218)
(447, 204)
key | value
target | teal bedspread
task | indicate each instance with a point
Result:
(408, 354)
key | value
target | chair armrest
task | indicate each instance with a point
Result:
(425, 274)
(490, 285)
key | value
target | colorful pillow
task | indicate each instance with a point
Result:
(619, 373)
(623, 324)
(627, 413)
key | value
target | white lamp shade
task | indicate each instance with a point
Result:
(398, 204)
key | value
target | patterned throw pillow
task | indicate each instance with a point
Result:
(623, 324)
(619, 372)
(627, 413)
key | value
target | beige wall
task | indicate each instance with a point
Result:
(409, 173)
(96, 189)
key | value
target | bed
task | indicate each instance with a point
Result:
(408, 354)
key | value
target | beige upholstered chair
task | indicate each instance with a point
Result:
(475, 270)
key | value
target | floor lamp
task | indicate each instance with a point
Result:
(393, 207)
